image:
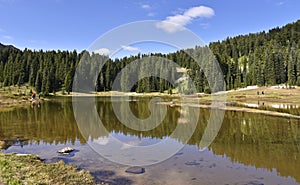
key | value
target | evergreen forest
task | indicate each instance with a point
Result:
(264, 59)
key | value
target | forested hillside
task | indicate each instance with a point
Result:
(261, 59)
(265, 58)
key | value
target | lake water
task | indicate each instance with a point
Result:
(248, 149)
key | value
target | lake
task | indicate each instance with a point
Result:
(248, 149)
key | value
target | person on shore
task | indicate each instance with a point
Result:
(33, 96)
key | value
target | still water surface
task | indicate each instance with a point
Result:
(249, 148)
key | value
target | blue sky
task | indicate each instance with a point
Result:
(74, 24)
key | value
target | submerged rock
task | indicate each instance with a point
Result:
(192, 163)
(66, 150)
(135, 170)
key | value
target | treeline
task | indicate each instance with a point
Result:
(261, 59)
(265, 58)
(46, 71)
(52, 71)
(100, 73)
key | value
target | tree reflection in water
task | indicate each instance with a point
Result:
(251, 139)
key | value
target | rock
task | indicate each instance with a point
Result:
(192, 163)
(66, 150)
(213, 165)
(22, 155)
(180, 153)
(135, 170)
(254, 183)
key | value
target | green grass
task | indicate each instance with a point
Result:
(29, 169)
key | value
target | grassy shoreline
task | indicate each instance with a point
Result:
(234, 100)
(30, 169)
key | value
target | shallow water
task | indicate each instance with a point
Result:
(293, 109)
(248, 149)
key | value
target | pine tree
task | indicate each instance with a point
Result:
(292, 66)
(298, 68)
(38, 83)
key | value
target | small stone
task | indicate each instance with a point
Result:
(22, 155)
(66, 150)
(213, 165)
(192, 163)
(135, 170)
(180, 153)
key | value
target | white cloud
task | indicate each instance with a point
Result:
(103, 51)
(200, 11)
(177, 22)
(102, 141)
(130, 48)
(145, 6)
(169, 26)
(7, 37)
(130, 144)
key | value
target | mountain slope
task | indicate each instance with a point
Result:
(2, 46)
